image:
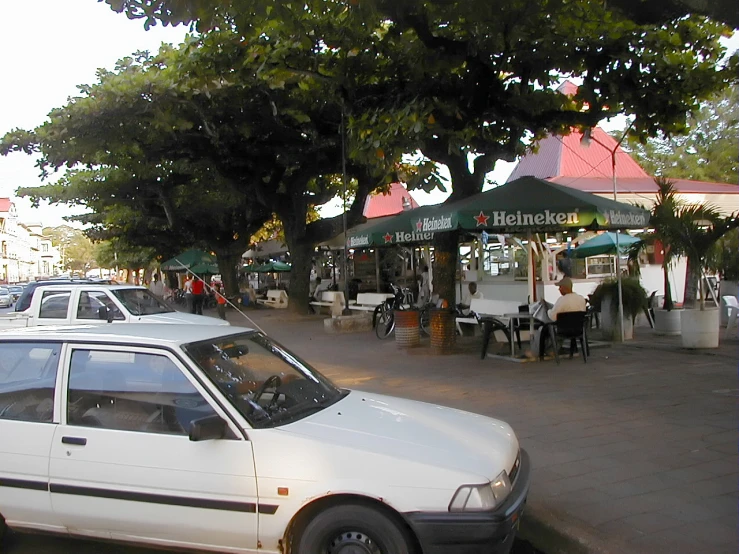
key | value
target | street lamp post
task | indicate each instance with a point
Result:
(586, 138)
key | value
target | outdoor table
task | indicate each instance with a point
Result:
(512, 319)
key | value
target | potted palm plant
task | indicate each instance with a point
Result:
(663, 221)
(696, 231)
(605, 300)
(725, 262)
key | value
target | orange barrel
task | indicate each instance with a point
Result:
(443, 331)
(407, 328)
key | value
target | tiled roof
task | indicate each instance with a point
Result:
(642, 185)
(379, 205)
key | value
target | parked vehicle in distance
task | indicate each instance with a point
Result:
(15, 292)
(71, 303)
(25, 298)
(115, 432)
(6, 301)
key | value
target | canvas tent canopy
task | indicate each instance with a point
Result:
(604, 243)
(525, 205)
(191, 259)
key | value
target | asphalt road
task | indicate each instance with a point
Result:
(32, 544)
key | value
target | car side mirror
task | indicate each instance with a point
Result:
(207, 428)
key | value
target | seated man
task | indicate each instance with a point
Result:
(472, 292)
(569, 301)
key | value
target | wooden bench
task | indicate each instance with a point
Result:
(334, 300)
(368, 301)
(275, 299)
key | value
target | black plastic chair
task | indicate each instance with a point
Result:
(572, 326)
(489, 325)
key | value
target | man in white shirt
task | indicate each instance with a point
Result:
(471, 293)
(568, 302)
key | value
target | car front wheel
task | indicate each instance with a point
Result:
(352, 529)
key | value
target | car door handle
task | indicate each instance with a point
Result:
(82, 441)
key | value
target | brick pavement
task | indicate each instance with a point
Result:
(635, 451)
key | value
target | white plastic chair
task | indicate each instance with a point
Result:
(732, 305)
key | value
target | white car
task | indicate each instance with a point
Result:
(219, 439)
(6, 300)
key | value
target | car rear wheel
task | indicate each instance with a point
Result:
(352, 529)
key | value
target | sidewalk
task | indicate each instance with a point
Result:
(633, 452)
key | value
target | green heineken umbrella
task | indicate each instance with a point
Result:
(273, 267)
(531, 204)
(394, 229)
(604, 243)
(188, 259)
(202, 268)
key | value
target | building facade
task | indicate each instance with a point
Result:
(25, 253)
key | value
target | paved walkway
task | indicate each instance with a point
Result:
(633, 452)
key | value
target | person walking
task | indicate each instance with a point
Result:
(198, 294)
(221, 302)
(187, 287)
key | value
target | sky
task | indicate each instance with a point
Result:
(51, 46)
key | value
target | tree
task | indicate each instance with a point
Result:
(75, 248)
(707, 152)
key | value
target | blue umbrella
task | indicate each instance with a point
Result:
(604, 243)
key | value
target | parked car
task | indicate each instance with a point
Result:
(24, 302)
(6, 301)
(116, 432)
(15, 292)
(72, 303)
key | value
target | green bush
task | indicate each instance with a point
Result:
(634, 296)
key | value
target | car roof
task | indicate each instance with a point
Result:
(147, 334)
(68, 286)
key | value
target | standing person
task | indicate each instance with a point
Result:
(220, 302)
(156, 286)
(198, 294)
(187, 287)
(425, 292)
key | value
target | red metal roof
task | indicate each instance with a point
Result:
(5, 204)
(569, 156)
(391, 203)
(642, 185)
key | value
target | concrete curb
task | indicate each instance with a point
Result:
(555, 533)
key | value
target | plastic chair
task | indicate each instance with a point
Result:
(732, 305)
(571, 325)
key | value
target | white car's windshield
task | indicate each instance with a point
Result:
(266, 383)
(141, 302)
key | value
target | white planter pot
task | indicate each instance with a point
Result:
(667, 323)
(700, 328)
(609, 324)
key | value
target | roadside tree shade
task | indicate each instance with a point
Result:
(189, 259)
(604, 244)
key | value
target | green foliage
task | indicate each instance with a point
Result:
(635, 298)
(75, 248)
(708, 150)
(725, 256)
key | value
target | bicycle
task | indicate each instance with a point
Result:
(383, 318)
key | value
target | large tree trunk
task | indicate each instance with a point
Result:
(692, 280)
(301, 255)
(228, 263)
(445, 265)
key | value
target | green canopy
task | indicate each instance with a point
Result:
(526, 204)
(189, 259)
(200, 269)
(249, 268)
(273, 267)
(604, 243)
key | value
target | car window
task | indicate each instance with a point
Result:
(129, 391)
(266, 383)
(89, 304)
(27, 380)
(141, 302)
(54, 304)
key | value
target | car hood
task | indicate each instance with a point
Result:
(415, 431)
(180, 317)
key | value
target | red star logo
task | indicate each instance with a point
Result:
(388, 238)
(481, 219)
(419, 225)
